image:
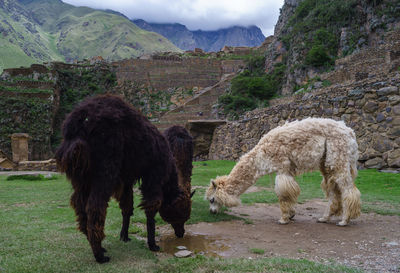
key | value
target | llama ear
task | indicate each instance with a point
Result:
(213, 183)
(193, 192)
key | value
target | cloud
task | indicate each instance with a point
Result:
(196, 14)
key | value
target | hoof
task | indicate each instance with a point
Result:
(283, 222)
(154, 248)
(102, 259)
(342, 224)
(322, 220)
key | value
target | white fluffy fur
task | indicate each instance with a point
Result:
(294, 148)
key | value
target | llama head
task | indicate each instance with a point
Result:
(217, 196)
(177, 212)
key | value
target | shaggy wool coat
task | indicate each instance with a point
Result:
(107, 147)
(292, 149)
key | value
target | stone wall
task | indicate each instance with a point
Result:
(30, 113)
(369, 62)
(161, 74)
(44, 165)
(200, 107)
(370, 106)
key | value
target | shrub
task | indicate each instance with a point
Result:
(30, 177)
(252, 88)
(257, 251)
(318, 56)
(236, 103)
(255, 65)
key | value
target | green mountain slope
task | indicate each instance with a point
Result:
(35, 31)
(22, 41)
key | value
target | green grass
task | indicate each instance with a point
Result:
(25, 90)
(31, 177)
(204, 264)
(257, 251)
(38, 230)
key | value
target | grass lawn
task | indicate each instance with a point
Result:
(38, 230)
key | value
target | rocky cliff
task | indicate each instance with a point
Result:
(310, 35)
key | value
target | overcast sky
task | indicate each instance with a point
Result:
(196, 14)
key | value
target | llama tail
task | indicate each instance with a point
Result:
(352, 200)
(73, 158)
(353, 196)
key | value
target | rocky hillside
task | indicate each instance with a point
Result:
(207, 40)
(36, 31)
(310, 35)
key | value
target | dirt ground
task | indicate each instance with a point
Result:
(371, 242)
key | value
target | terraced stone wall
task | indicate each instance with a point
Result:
(161, 74)
(370, 106)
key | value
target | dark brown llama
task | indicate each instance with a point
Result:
(107, 147)
(181, 145)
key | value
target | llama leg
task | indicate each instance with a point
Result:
(150, 212)
(96, 210)
(287, 190)
(78, 203)
(351, 205)
(151, 203)
(333, 195)
(350, 197)
(126, 205)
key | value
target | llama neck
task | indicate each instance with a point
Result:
(244, 174)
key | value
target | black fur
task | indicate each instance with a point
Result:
(107, 147)
(181, 145)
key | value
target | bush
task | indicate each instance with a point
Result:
(252, 88)
(318, 56)
(30, 177)
(255, 65)
(236, 103)
(257, 87)
(327, 39)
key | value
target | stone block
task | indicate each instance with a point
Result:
(356, 93)
(396, 109)
(394, 158)
(396, 121)
(394, 99)
(371, 106)
(375, 163)
(380, 117)
(389, 90)
(395, 131)
(19, 144)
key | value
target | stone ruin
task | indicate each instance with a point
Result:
(20, 157)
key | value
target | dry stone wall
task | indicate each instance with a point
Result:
(161, 74)
(30, 113)
(370, 106)
(200, 107)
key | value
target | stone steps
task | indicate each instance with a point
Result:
(197, 108)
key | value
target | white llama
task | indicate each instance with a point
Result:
(294, 148)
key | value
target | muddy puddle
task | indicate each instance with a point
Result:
(196, 243)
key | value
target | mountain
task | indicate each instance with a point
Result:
(22, 40)
(35, 31)
(207, 40)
